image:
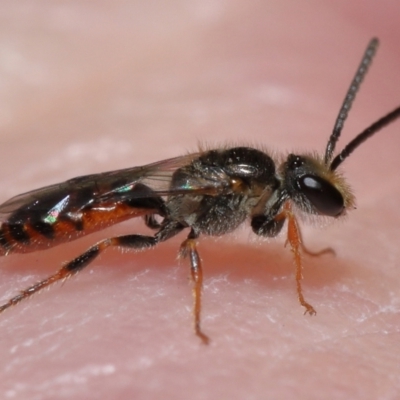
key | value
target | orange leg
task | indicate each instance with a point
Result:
(70, 269)
(294, 239)
(133, 242)
(188, 249)
(327, 250)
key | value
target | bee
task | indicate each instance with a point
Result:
(210, 192)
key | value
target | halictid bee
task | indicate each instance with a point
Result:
(208, 193)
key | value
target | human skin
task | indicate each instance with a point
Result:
(94, 87)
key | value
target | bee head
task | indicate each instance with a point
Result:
(314, 187)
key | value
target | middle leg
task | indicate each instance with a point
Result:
(188, 249)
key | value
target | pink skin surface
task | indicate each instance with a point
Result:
(90, 87)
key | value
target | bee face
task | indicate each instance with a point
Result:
(314, 188)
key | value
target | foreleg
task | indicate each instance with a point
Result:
(271, 227)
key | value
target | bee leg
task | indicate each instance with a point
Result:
(136, 242)
(188, 249)
(327, 250)
(270, 227)
(294, 239)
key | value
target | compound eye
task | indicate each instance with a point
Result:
(325, 198)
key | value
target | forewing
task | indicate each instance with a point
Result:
(72, 196)
(158, 177)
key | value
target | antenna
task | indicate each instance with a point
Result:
(348, 100)
(363, 136)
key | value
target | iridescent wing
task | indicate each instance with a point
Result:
(72, 196)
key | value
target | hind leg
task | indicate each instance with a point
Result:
(134, 242)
